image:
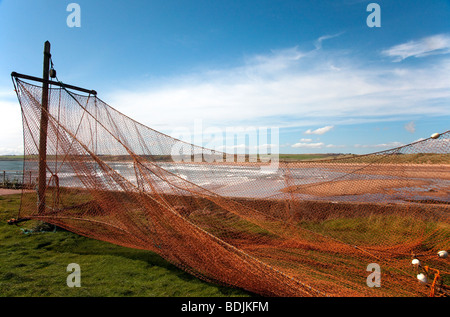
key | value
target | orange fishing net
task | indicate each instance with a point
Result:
(306, 228)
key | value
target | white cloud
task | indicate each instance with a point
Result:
(410, 127)
(308, 145)
(389, 145)
(11, 133)
(284, 88)
(231, 148)
(334, 146)
(242, 148)
(318, 42)
(320, 131)
(436, 44)
(265, 147)
(288, 89)
(17, 150)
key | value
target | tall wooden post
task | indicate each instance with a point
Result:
(42, 179)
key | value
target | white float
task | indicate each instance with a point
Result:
(435, 135)
(422, 278)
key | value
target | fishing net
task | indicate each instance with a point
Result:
(304, 228)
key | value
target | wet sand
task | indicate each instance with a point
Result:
(353, 187)
(435, 171)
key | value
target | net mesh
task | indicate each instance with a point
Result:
(308, 228)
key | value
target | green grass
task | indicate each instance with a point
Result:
(35, 265)
(305, 157)
(417, 158)
(376, 229)
(11, 157)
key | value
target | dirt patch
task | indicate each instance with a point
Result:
(411, 171)
(7, 191)
(353, 187)
(434, 171)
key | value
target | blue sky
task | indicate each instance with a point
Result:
(313, 69)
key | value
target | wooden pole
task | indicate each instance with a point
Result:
(42, 179)
(54, 83)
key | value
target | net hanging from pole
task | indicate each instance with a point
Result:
(309, 228)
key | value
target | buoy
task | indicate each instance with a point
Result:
(435, 135)
(415, 262)
(443, 254)
(52, 73)
(422, 278)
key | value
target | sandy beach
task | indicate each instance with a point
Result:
(6, 191)
(354, 187)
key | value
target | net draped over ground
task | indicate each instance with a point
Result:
(307, 228)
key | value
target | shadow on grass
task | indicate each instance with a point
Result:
(68, 242)
(40, 246)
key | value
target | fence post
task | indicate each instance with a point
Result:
(4, 178)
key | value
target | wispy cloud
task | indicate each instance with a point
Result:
(432, 45)
(243, 148)
(382, 145)
(318, 42)
(308, 145)
(410, 127)
(320, 131)
(283, 88)
(335, 146)
(289, 88)
(322, 145)
(11, 129)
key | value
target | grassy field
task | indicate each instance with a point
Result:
(11, 157)
(35, 264)
(417, 158)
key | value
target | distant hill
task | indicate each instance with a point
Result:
(11, 157)
(418, 158)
